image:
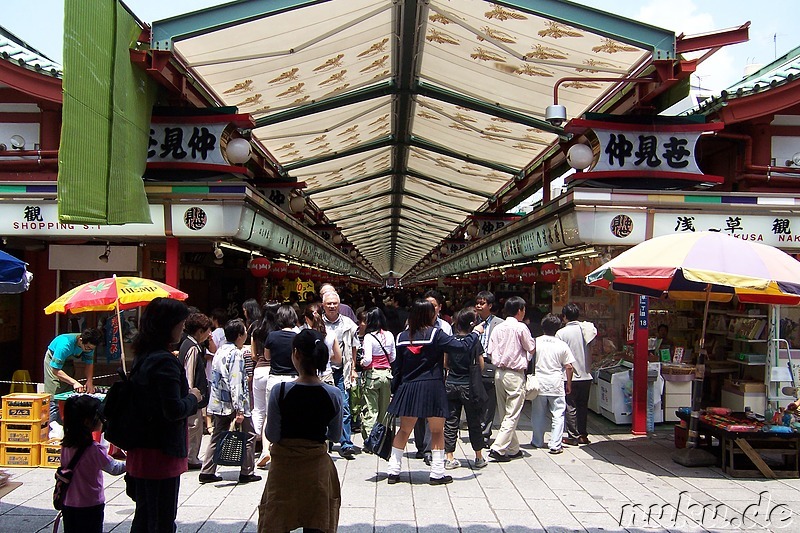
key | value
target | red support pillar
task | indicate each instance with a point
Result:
(173, 262)
(639, 400)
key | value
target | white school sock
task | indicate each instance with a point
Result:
(395, 462)
(437, 464)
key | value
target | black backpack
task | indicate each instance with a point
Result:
(122, 411)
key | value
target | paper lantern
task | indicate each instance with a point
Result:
(278, 270)
(529, 274)
(550, 272)
(259, 267)
(512, 275)
(495, 275)
(293, 270)
(305, 273)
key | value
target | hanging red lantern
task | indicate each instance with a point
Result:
(529, 274)
(495, 275)
(293, 270)
(305, 273)
(278, 270)
(316, 276)
(512, 275)
(550, 272)
(259, 267)
(483, 276)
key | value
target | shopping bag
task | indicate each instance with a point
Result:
(231, 448)
(531, 387)
(381, 437)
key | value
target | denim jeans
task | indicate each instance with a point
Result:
(338, 377)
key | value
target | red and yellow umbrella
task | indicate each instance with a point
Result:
(108, 294)
(113, 294)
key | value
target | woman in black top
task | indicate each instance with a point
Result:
(303, 486)
(278, 351)
(460, 393)
(419, 386)
(156, 462)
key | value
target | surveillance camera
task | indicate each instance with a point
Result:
(555, 114)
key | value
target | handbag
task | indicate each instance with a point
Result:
(477, 391)
(358, 364)
(589, 331)
(532, 386)
(380, 439)
(64, 478)
(231, 448)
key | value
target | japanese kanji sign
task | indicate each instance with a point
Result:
(779, 230)
(647, 150)
(192, 142)
(631, 150)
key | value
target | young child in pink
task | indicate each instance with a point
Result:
(85, 501)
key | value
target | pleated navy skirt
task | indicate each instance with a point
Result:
(421, 398)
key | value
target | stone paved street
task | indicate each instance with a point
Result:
(591, 488)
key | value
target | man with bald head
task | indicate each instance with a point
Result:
(344, 375)
(344, 309)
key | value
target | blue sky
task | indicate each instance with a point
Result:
(40, 24)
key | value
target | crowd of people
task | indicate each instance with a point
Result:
(299, 381)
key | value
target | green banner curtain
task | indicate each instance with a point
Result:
(106, 117)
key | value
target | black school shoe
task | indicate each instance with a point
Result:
(249, 478)
(444, 480)
(392, 479)
(209, 478)
(428, 458)
(499, 457)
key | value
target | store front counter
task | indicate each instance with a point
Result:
(745, 450)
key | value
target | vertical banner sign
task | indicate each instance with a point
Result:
(639, 415)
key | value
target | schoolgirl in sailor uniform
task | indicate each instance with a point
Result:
(418, 385)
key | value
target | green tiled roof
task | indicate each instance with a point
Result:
(15, 50)
(783, 70)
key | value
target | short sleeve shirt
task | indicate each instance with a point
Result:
(66, 346)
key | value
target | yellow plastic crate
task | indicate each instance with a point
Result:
(24, 432)
(14, 454)
(50, 454)
(26, 407)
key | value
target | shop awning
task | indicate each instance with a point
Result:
(405, 117)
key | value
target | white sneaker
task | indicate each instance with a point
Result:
(452, 464)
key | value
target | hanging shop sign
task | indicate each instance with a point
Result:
(541, 239)
(206, 220)
(490, 223)
(644, 155)
(604, 226)
(776, 229)
(194, 142)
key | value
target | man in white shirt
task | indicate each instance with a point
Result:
(553, 359)
(484, 304)
(344, 375)
(511, 347)
(578, 399)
